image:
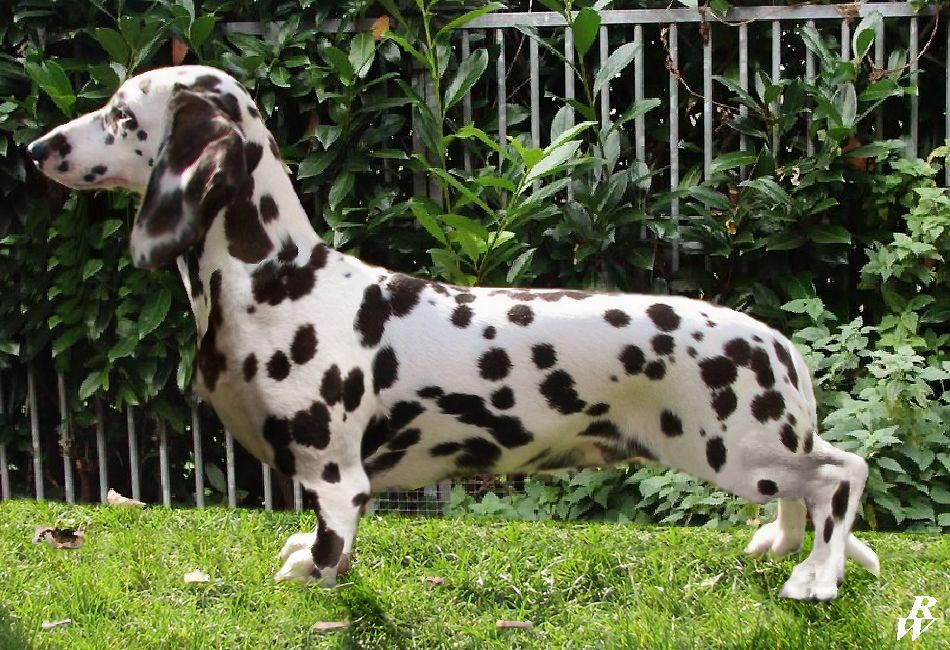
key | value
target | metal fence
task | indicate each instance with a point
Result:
(660, 33)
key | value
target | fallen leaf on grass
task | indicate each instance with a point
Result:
(522, 625)
(49, 625)
(329, 626)
(59, 537)
(712, 582)
(435, 580)
(116, 499)
(196, 577)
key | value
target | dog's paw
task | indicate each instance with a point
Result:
(296, 542)
(299, 568)
(772, 539)
(809, 582)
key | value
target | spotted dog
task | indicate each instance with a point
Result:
(353, 379)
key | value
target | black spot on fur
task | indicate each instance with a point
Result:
(331, 473)
(372, 316)
(462, 316)
(250, 366)
(839, 501)
(445, 449)
(521, 315)
(471, 409)
(247, 238)
(786, 360)
(304, 346)
(311, 427)
(828, 530)
(142, 135)
(698, 336)
(464, 298)
(543, 355)
(385, 369)
(489, 332)
(789, 439)
(353, 387)
(403, 413)
(558, 389)
(383, 462)
(494, 364)
(602, 429)
(253, 152)
(768, 406)
(615, 451)
(691, 351)
(360, 499)
(404, 293)
(724, 403)
(617, 318)
(328, 546)
(405, 439)
(632, 359)
(663, 317)
(278, 367)
(478, 453)
(718, 372)
(760, 364)
(503, 398)
(430, 392)
(655, 370)
(288, 252)
(376, 434)
(331, 388)
(598, 409)
(273, 281)
(663, 344)
(808, 442)
(268, 208)
(767, 487)
(715, 453)
(276, 432)
(738, 350)
(211, 362)
(670, 424)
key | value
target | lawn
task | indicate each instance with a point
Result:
(582, 585)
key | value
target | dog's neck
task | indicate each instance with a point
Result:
(277, 225)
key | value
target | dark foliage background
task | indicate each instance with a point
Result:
(845, 247)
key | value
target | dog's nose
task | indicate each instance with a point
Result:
(38, 151)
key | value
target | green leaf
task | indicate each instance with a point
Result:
(67, 339)
(864, 34)
(466, 18)
(519, 265)
(709, 197)
(732, 160)
(113, 43)
(468, 73)
(552, 161)
(201, 29)
(567, 135)
(92, 383)
(829, 234)
(123, 348)
(637, 109)
(51, 78)
(586, 27)
(463, 223)
(154, 312)
(90, 268)
(615, 63)
(427, 221)
(362, 50)
(315, 164)
(340, 62)
(340, 189)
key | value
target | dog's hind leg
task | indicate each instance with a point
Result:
(340, 494)
(782, 536)
(832, 489)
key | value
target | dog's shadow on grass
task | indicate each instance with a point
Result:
(11, 636)
(369, 622)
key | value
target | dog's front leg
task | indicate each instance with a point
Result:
(340, 496)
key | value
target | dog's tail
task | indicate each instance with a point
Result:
(860, 553)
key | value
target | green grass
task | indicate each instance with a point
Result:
(583, 585)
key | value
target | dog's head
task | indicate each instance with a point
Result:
(184, 138)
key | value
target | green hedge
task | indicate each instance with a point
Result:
(845, 247)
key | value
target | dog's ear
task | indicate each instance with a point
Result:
(200, 166)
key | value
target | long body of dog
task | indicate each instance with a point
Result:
(351, 378)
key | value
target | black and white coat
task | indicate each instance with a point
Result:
(352, 378)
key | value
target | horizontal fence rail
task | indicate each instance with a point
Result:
(497, 29)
